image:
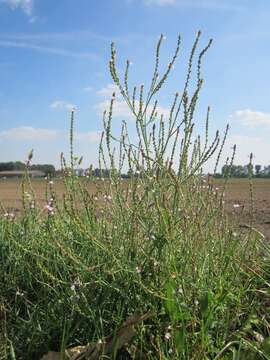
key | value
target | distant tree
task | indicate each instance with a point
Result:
(6, 166)
(48, 169)
(237, 170)
(11, 166)
(250, 168)
(19, 165)
(258, 169)
(225, 171)
(266, 171)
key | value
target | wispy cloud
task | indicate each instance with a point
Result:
(88, 88)
(46, 49)
(120, 108)
(26, 5)
(251, 118)
(62, 105)
(57, 36)
(202, 4)
(69, 38)
(160, 2)
(108, 90)
(28, 133)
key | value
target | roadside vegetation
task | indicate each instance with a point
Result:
(144, 268)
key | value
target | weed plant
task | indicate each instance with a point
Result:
(158, 243)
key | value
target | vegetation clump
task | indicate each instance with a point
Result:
(158, 243)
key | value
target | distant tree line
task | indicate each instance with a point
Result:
(242, 171)
(239, 171)
(48, 169)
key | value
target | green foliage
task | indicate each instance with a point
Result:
(240, 171)
(160, 241)
(9, 166)
(19, 166)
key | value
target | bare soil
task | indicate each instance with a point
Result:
(237, 193)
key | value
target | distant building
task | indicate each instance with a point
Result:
(19, 174)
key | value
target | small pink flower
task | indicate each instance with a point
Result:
(49, 208)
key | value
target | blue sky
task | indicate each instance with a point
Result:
(54, 55)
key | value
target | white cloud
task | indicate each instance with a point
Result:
(108, 90)
(249, 144)
(62, 105)
(90, 136)
(251, 118)
(120, 107)
(28, 133)
(26, 5)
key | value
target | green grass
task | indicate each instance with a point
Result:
(160, 244)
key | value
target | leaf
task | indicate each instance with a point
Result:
(266, 346)
(170, 304)
(204, 304)
(179, 340)
(109, 346)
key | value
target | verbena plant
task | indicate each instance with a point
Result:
(157, 243)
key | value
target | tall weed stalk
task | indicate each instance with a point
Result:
(158, 242)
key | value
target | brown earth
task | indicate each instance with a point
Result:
(237, 193)
(11, 192)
